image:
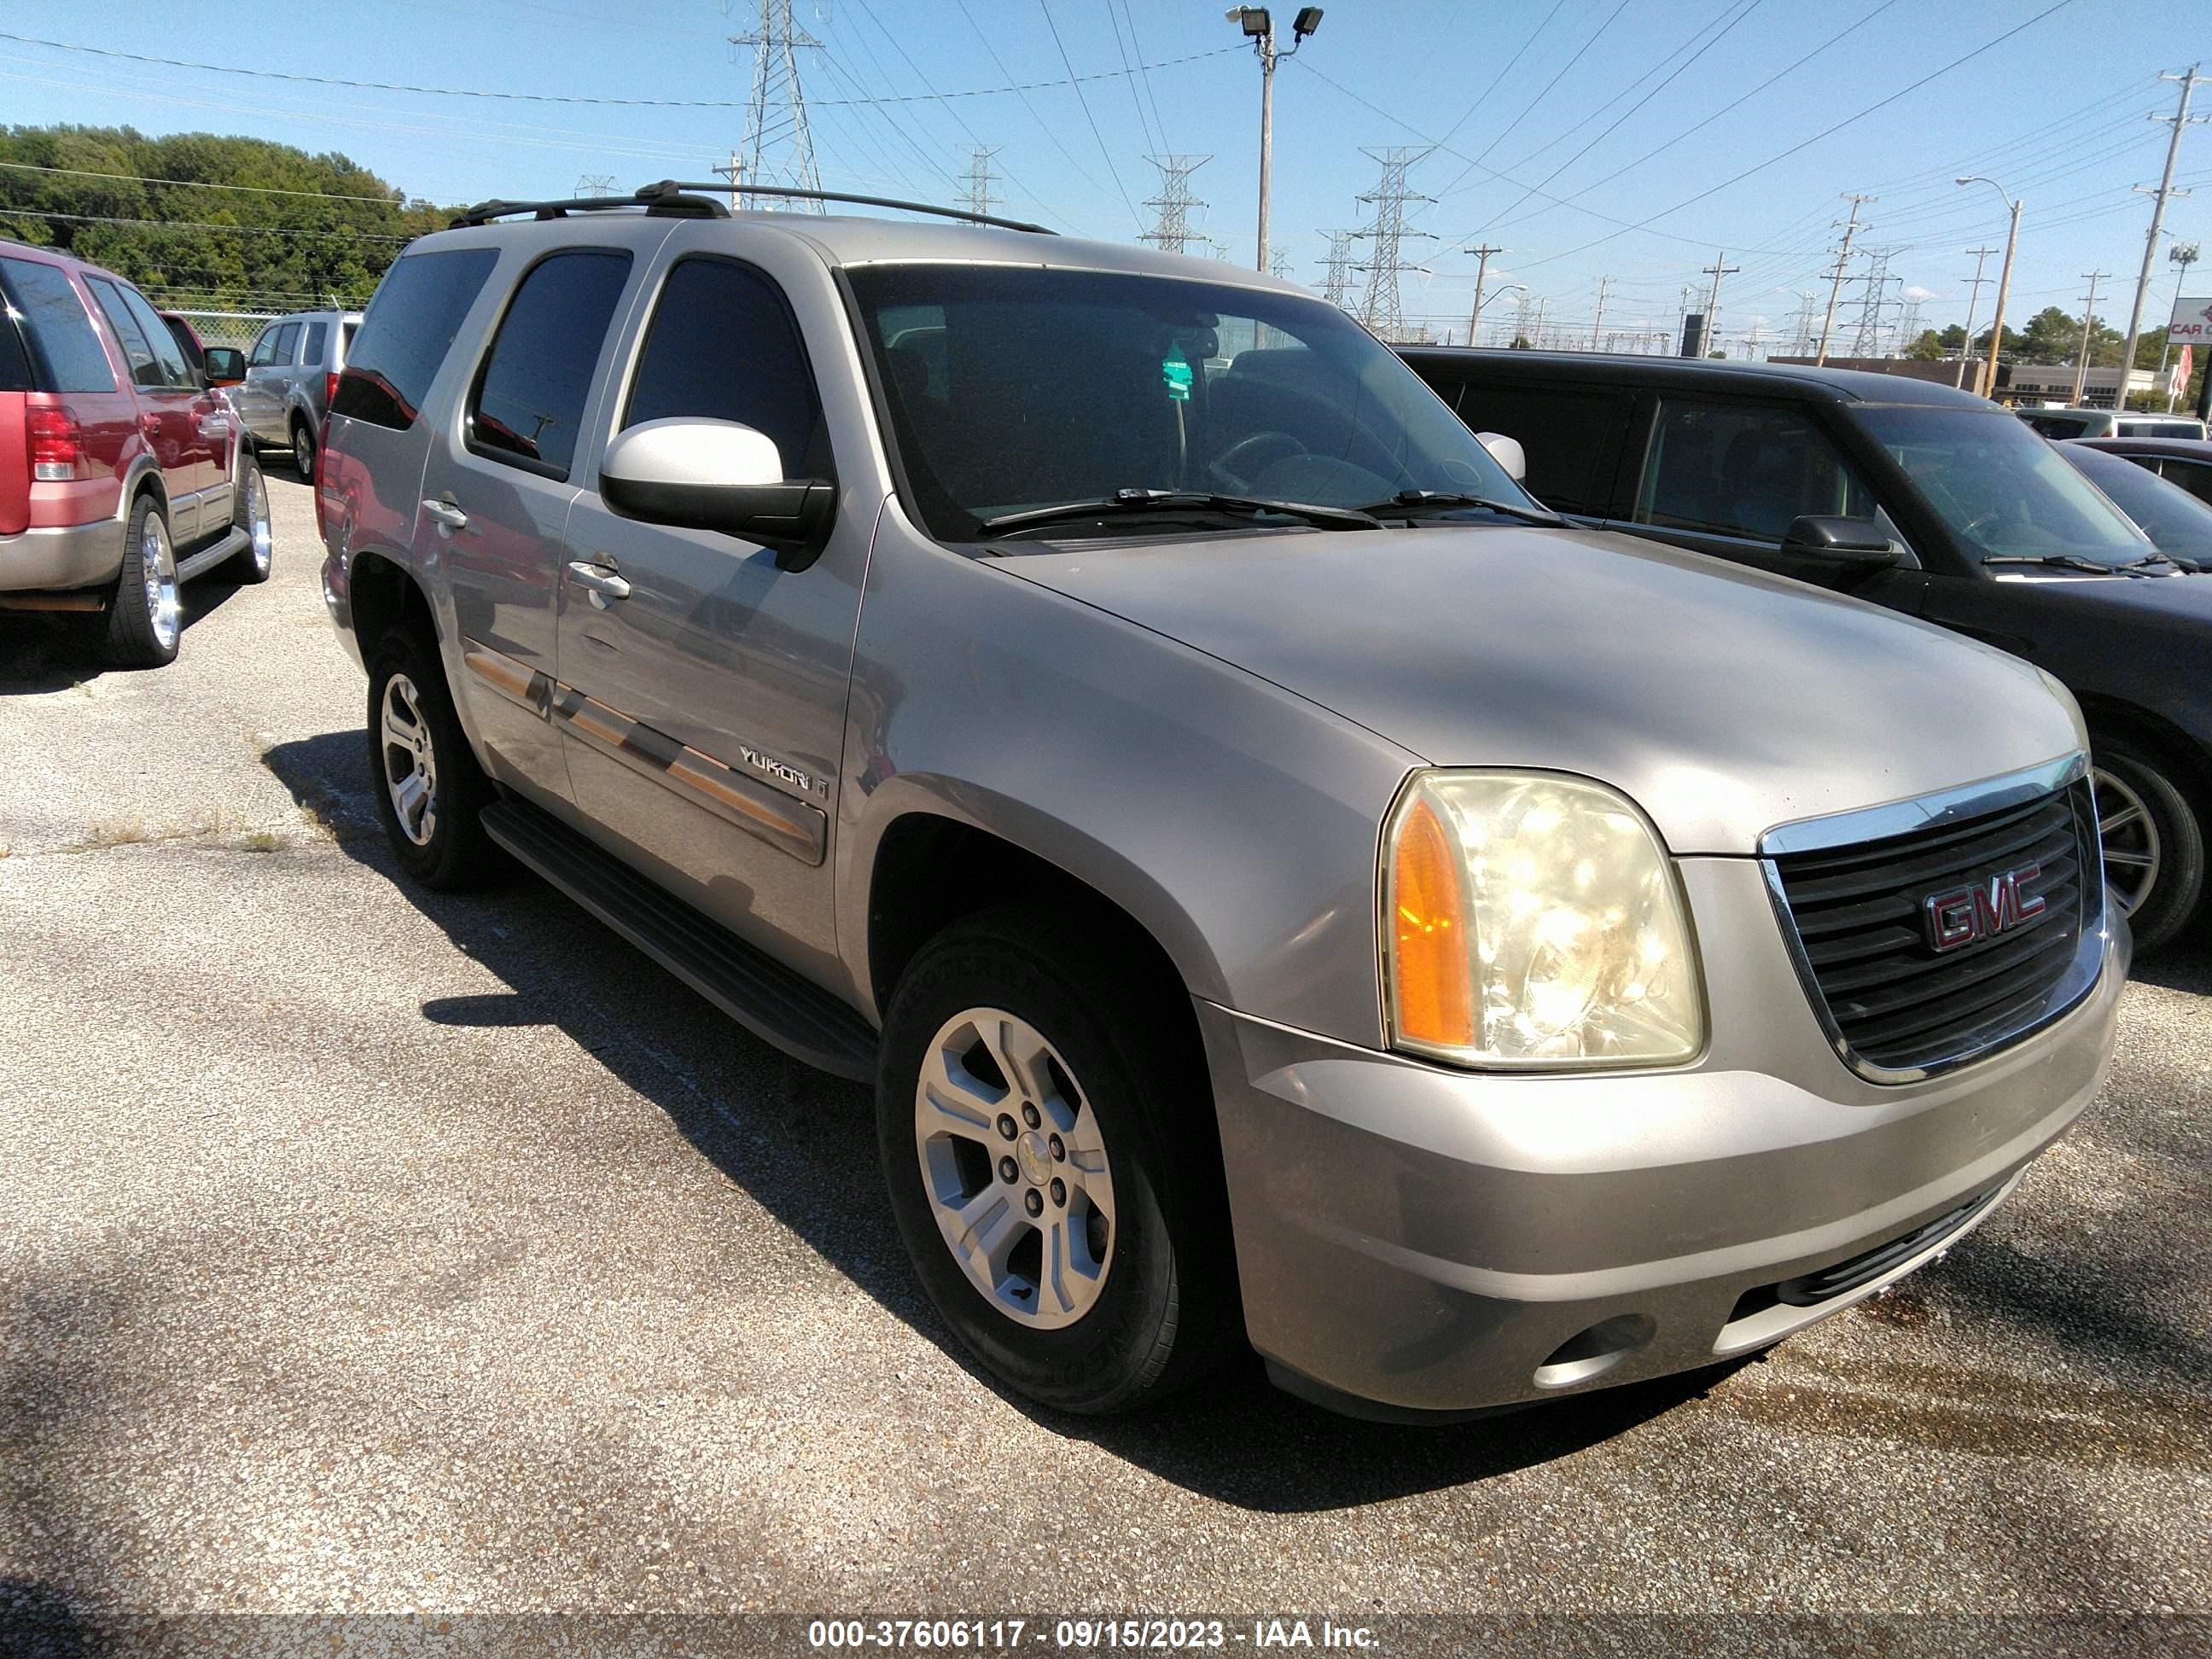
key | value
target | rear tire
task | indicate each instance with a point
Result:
(2150, 831)
(303, 452)
(250, 512)
(1099, 1276)
(145, 616)
(428, 789)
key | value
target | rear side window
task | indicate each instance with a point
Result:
(318, 338)
(2057, 426)
(2195, 477)
(529, 399)
(64, 350)
(1572, 438)
(723, 347)
(408, 330)
(1730, 470)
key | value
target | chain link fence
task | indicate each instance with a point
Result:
(228, 328)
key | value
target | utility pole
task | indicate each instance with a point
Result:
(1482, 266)
(1379, 307)
(2190, 81)
(735, 173)
(1603, 284)
(1842, 264)
(1973, 299)
(2088, 333)
(1171, 231)
(1336, 269)
(1719, 269)
(978, 198)
(1259, 28)
(776, 112)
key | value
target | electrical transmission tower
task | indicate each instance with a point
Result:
(1171, 230)
(1336, 267)
(595, 184)
(778, 146)
(1908, 328)
(1379, 306)
(1808, 328)
(1873, 291)
(976, 195)
(1843, 265)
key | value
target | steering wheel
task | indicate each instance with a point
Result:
(1237, 464)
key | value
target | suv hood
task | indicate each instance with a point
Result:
(1723, 700)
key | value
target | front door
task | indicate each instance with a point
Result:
(261, 395)
(703, 694)
(496, 497)
(179, 418)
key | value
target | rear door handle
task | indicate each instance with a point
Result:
(446, 514)
(602, 583)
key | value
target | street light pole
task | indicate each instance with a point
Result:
(1259, 27)
(2191, 80)
(1987, 382)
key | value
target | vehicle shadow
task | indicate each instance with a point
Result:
(790, 1137)
(37, 1622)
(49, 651)
(2186, 966)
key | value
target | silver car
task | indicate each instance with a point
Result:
(1283, 885)
(289, 374)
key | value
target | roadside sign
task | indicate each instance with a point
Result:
(2192, 320)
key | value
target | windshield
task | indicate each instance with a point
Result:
(2172, 518)
(2002, 491)
(1013, 389)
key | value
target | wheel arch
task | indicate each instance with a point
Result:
(382, 592)
(2108, 718)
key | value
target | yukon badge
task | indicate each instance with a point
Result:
(1961, 915)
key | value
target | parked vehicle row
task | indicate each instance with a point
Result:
(122, 475)
(1285, 883)
(1930, 501)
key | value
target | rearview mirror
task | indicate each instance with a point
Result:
(224, 365)
(1845, 547)
(717, 476)
(1507, 452)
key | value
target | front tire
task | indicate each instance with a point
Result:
(2153, 846)
(146, 616)
(428, 789)
(1048, 1145)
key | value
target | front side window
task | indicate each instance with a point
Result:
(2001, 490)
(1013, 389)
(146, 370)
(1569, 436)
(287, 343)
(265, 348)
(722, 346)
(530, 394)
(407, 333)
(1741, 470)
(176, 367)
(2195, 477)
(65, 352)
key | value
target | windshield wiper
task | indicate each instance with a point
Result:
(1449, 500)
(2063, 562)
(1172, 501)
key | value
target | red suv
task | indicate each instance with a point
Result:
(121, 472)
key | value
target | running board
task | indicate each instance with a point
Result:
(763, 995)
(234, 542)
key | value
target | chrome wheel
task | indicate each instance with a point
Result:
(303, 453)
(410, 765)
(260, 532)
(157, 569)
(1014, 1168)
(2130, 835)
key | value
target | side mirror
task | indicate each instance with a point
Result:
(717, 476)
(1507, 452)
(1849, 548)
(224, 366)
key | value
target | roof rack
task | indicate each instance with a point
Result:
(673, 199)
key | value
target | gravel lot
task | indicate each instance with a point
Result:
(364, 1250)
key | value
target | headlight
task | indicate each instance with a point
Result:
(1532, 921)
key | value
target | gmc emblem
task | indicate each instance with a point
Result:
(1982, 910)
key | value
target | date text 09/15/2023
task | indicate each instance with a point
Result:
(1083, 1635)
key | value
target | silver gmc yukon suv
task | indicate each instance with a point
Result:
(1285, 886)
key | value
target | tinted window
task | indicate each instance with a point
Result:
(65, 352)
(407, 332)
(529, 396)
(723, 347)
(2195, 477)
(1735, 470)
(1572, 438)
(2172, 518)
(2056, 425)
(318, 336)
(345, 336)
(176, 369)
(265, 348)
(137, 351)
(195, 353)
(288, 342)
(15, 361)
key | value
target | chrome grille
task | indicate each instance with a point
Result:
(1896, 1004)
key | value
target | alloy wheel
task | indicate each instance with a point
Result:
(303, 453)
(2130, 835)
(260, 532)
(1014, 1168)
(410, 764)
(157, 567)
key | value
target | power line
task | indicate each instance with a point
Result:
(1076, 82)
(200, 224)
(1545, 91)
(396, 199)
(1482, 96)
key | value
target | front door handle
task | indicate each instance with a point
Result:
(447, 515)
(600, 581)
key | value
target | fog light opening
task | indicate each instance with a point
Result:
(1595, 1352)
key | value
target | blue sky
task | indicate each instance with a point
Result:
(1513, 91)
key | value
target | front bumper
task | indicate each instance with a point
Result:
(1414, 1241)
(63, 557)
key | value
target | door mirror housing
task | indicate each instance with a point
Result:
(1507, 452)
(224, 365)
(1849, 549)
(719, 476)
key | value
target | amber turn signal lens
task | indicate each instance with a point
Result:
(1433, 995)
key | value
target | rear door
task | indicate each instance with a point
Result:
(268, 371)
(168, 417)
